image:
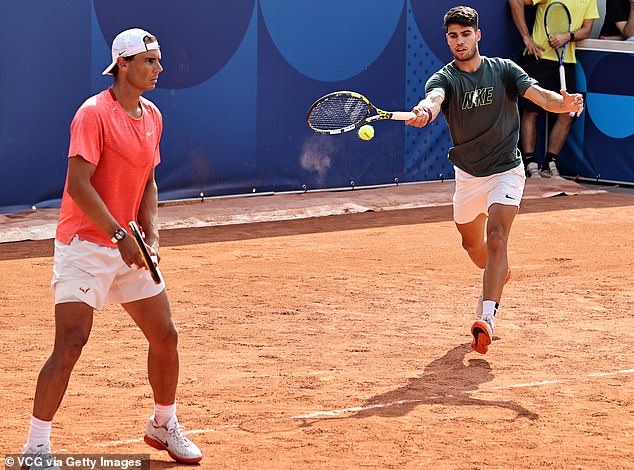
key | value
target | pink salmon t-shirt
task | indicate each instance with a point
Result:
(123, 149)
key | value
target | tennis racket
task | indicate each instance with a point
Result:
(147, 259)
(557, 20)
(344, 111)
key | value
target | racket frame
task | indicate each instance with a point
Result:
(147, 258)
(560, 55)
(380, 115)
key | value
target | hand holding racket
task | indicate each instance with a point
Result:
(344, 111)
(147, 258)
(558, 26)
(421, 111)
(574, 101)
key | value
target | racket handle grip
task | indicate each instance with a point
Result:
(562, 81)
(562, 77)
(402, 115)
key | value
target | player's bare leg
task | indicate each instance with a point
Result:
(474, 243)
(73, 322)
(163, 431)
(495, 274)
(490, 254)
(473, 240)
(154, 317)
(496, 271)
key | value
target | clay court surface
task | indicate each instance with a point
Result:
(343, 341)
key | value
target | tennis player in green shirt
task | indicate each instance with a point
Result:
(478, 98)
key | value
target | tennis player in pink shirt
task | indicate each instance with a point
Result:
(114, 148)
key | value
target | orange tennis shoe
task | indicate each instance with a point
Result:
(482, 333)
(482, 330)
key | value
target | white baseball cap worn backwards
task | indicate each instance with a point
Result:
(130, 42)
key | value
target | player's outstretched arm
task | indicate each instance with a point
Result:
(428, 108)
(553, 102)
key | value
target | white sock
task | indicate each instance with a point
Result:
(489, 309)
(39, 433)
(163, 414)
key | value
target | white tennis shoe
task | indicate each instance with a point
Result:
(551, 171)
(171, 439)
(532, 170)
(39, 458)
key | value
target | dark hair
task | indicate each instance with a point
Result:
(464, 16)
(115, 69)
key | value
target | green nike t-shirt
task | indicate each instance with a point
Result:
(481, 111)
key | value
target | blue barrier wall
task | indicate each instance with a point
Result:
(601, 146)
(239, 77)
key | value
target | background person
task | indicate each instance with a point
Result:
(540, 62)
(619, 20)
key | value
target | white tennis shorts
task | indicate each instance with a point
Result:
(474, 195)
(97, 275)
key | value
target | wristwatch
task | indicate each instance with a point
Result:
(572, 35)
(119, 235)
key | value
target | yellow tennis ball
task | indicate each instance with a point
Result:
(366, 132)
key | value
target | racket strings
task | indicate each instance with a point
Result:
(557, 20)
(338, 112)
